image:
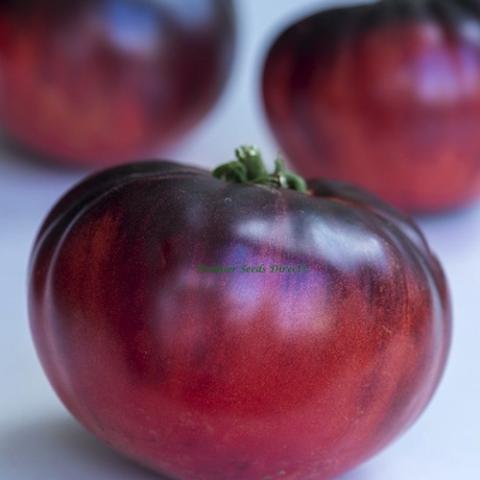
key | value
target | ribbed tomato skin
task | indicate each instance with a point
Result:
(384, 95)
(236, 376)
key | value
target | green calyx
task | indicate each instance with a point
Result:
(249, 168)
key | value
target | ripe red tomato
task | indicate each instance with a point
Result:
(216, 330)
(385, 95)
(98, 82)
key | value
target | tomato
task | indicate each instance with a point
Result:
(238, 326)
(99, 82)
(384, 95)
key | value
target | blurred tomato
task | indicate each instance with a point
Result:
(103, 81)
(385, 95)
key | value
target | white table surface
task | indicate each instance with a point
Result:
(39, 440)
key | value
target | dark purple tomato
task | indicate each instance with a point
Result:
(385, 95)
(98, 82)
(217, 330)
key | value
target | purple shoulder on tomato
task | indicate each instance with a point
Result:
(384, 95)
(237, 324)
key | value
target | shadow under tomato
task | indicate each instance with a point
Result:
(57, 449)
(360, 473)
(13, 152)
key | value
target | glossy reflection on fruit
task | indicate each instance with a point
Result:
(98, 82)
(162, 334)
(386, 95)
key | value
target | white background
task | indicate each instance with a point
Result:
(38, 439)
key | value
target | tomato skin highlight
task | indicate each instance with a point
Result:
(385, 96)
(102, 82)
(209, 374)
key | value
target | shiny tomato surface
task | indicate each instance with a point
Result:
(99, 82)
(385, 95)
(164, 331)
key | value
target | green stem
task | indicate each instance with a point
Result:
(250, 168)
